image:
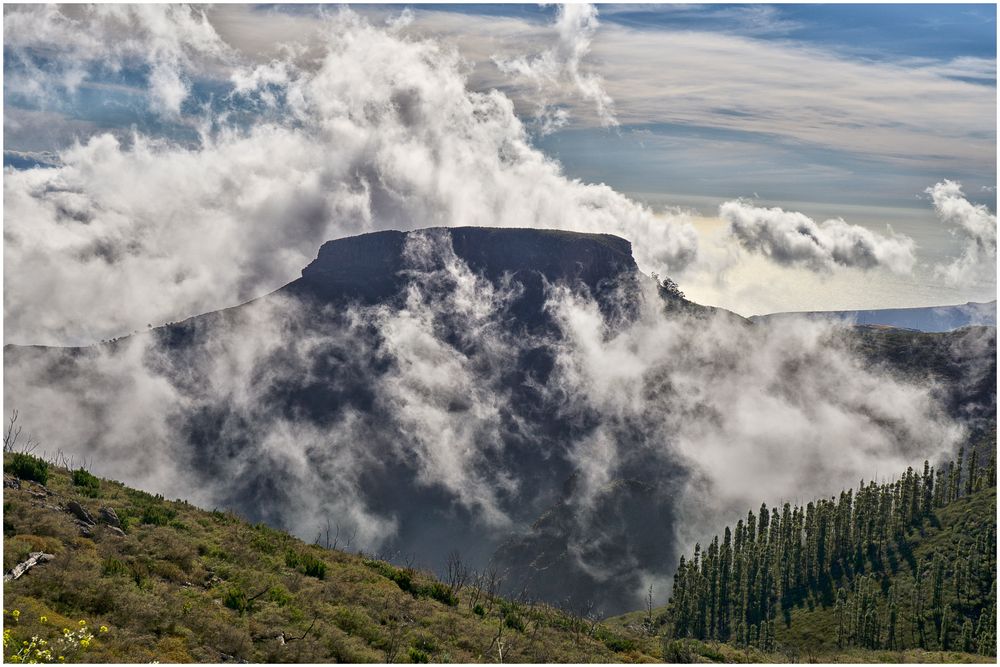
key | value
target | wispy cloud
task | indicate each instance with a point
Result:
(973, 223)
(52, 51)
(561, 65)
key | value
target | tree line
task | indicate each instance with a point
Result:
(854, 554)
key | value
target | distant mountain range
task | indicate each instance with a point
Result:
(929, 318)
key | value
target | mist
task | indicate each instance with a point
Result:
(409, 412)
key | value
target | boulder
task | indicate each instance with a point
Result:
(77, 510)
(109, 516)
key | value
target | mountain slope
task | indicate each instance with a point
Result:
(900, 565)
(186, 584)
(928, 319)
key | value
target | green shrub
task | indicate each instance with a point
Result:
(418, 656)
(137, 571)
(236, 598)
(280, 596)
(677, 651)
(313, 567)
(305, 563)
(615, 642)
(115, 568)
(425, 642)
(402, 578)
(157, 515)
(440, 592)
(478, 610)
(514, 622)
(26, 466)
(88, 484)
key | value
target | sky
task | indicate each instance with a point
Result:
(767, 157)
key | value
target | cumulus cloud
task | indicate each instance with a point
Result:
(560, 66)
(381, 133)
(792, 239)
(976, 226)
(54, 50)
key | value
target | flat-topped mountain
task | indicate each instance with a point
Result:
(374, 266)
(418, 393)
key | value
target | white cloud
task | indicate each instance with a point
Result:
(730, 400)
(976, 225)
(793, 239)
(56, 49)
(381, 133)
(560, 66)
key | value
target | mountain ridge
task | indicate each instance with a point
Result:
(930, 319)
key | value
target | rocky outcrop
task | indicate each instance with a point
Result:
(372, 267)
(110, 517)
(82, 515)
(34, 558)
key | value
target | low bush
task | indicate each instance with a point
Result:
(157, 515)
(87, 484)
(418, 656)
(26, 466)
(613, 641)
(236, 599)
(306, 563)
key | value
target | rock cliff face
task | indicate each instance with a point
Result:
(373, 266)
(377, 267)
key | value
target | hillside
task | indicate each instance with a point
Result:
(182, 584)
(907, 566)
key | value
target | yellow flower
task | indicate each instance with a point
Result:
(104, 628)
(83, 623)
(84, 643)
(44, 619)
(16, 614)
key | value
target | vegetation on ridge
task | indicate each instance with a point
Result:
(181, 584)
(909, 564)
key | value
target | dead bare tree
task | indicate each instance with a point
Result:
(499, 642)
(476, 588)
(649, 610)
(591, 618)
(457, 574)
(396, 625)
(10, 435)
(493, 579)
